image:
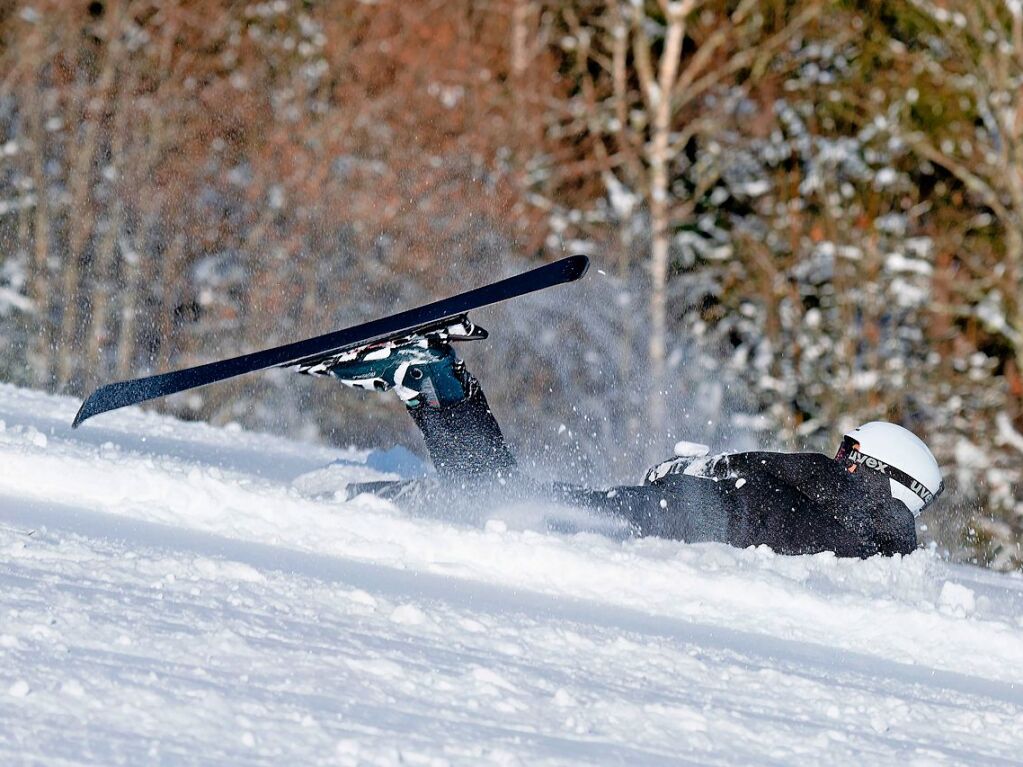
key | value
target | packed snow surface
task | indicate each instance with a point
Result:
(170, 594)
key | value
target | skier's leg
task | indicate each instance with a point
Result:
(444, 399)
(463, 437)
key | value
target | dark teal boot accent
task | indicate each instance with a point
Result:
(420, 371)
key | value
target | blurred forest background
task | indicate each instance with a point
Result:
(805, 215)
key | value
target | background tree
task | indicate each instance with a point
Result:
(655, 82)
(962, 114)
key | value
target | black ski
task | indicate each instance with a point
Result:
(305, 354)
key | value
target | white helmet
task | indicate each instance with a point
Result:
(898, 454)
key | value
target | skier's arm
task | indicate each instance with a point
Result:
(681, 508)
(896, 529)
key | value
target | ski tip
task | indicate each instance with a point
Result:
(100, 401)
(87, 410)
(575, 267)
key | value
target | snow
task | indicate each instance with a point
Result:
(684, 449)
(168, 594)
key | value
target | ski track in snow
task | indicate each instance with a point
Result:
(167, 596)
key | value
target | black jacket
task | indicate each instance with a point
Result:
(795, 503)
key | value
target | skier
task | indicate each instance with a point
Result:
(861, 503)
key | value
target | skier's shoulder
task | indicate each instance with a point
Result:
(773, 461)
(818, 481)
(814, 473)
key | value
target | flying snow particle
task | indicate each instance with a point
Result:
(685, 449)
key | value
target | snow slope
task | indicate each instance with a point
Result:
(169, 596)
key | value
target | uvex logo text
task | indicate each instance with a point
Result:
(922, 491)
(855, 456)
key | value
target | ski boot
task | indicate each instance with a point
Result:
(421, 369)
(442, 397)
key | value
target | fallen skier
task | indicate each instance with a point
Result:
(862, 502)
(858, 504)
